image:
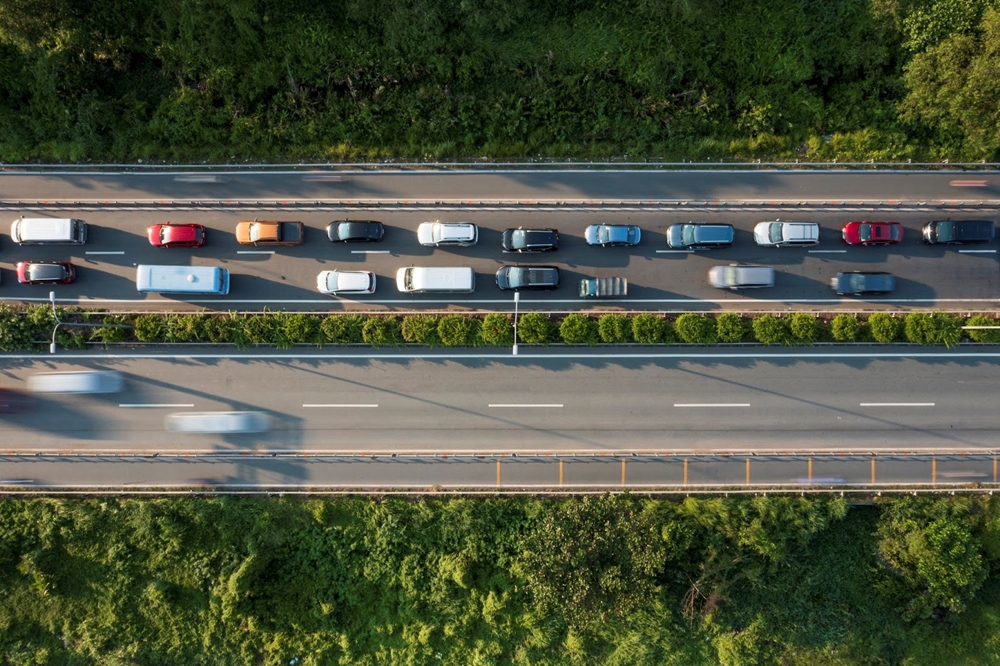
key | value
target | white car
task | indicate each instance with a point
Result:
(219, 423)
(459, 234)
(345, 282)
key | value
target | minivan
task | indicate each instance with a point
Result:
(737, 276)
(786, 234)
(458, 234)
(418, 279)
(692, 236)
(48, 231)
(85, 381)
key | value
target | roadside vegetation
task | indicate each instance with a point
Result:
(594, 580)
(31, 328)
(176, 80)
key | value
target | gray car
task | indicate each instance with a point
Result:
(612, 235)
(858, 283)
(738, 276)
(691, 236)
(517, 278)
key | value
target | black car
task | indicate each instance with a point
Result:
(355, 231)
(958, 232)
(858, 283)
(530, 240)
(516, 278)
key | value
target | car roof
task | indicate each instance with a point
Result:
(38, 271)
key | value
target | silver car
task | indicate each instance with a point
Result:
(737, 276)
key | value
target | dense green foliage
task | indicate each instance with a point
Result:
(695, 328)
(845, 328)
(362, 79)
(577, 328)
(597, 580)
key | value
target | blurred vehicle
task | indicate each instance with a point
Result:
(517, 278)
(857, 283)
(958, 232)
(254, 232)
(345, 282)
(219, 423)
(872, 233)
(530, 240)
(200, 178)
(14, 402)
(45, 272)
(83, 381)
(739, 276)
(354, 231)
(459, 234)
(609, 287)
(176, 235)
(691, 236)
(612, 235)
(786, 234)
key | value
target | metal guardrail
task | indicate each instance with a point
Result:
(485, 164)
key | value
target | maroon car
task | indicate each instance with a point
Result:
(45, 272)
(177, 235)
(872, 233)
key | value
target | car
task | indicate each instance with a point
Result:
(857, 283)
(45, 272)
(459, 234)
(741, 276)
(872, 233)
(269, 232)
(345, 282)
(176, 235)
(958, 232)
(786, 234)
(612, 235)
(80, 381)
(355, 231)
(218, 423)
(14, 402)
(693, 236)
(530, 240)
(517, 278)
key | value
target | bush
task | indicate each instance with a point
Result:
(185, 328)
(217, 329)
(497, 330)
(534, 328)
(614, 328)
(990, 335)
(115, 329)
(382, 331)
(421, 329)
(699, 329)
(730, 327)
(456, 330)
(882, 327)
(260, 329)
(928, 329)
(303, 329)
(578, 329)
(804, 327)
(150, 328)
(343, 329)
(845, 328)
(770, 330)
(647, 329)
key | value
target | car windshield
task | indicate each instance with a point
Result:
(865, 232)
(515, 276)
(519, 238)
(730, 276)
(858, 282)
(945, 231)
(687, 235)
(774, 233)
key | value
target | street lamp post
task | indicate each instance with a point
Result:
(517, 297)
(55, 315)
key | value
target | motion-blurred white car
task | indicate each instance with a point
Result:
(345, 282)
(219, 423)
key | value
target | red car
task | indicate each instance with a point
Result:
(45, 272)
(872, 233)
(177, 235)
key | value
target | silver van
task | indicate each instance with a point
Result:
(85, 381)
(418, 280)
(48, 231)
(737, 276)
(218, 423)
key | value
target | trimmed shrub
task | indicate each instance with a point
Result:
(382, 331)
(845, 328)
(185, 328)
(578, 329)
(497, 330)
(695, 328)
(730, 327)
(456, 330)
(989, 335)
(343, 329)
(303, 329)
(150, 328)
(648, 329)
(804, 327)
(882, 327)
(928, 329)
(614, 328)
(421, 329)
(770, 330)
(534, 328)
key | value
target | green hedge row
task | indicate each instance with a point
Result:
(32, 327)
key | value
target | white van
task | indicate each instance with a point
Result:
(219, 423)
(85, 381)
(48, 231)
(182, 279)
(417, 280)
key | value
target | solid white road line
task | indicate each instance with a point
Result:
(337, 405)
(675, 252)
(977, 251)
(828, 251)
(524, 405)
(254, 251)
(711, 404)
(897, 404)
(157, 404)
(368, 356)
(371, 251)
(120, 252)
(690, 302)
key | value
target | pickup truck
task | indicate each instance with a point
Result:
(269, 233)
(613, 287)
(958, 232)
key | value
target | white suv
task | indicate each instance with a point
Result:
(786, 234)
(461, 234)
